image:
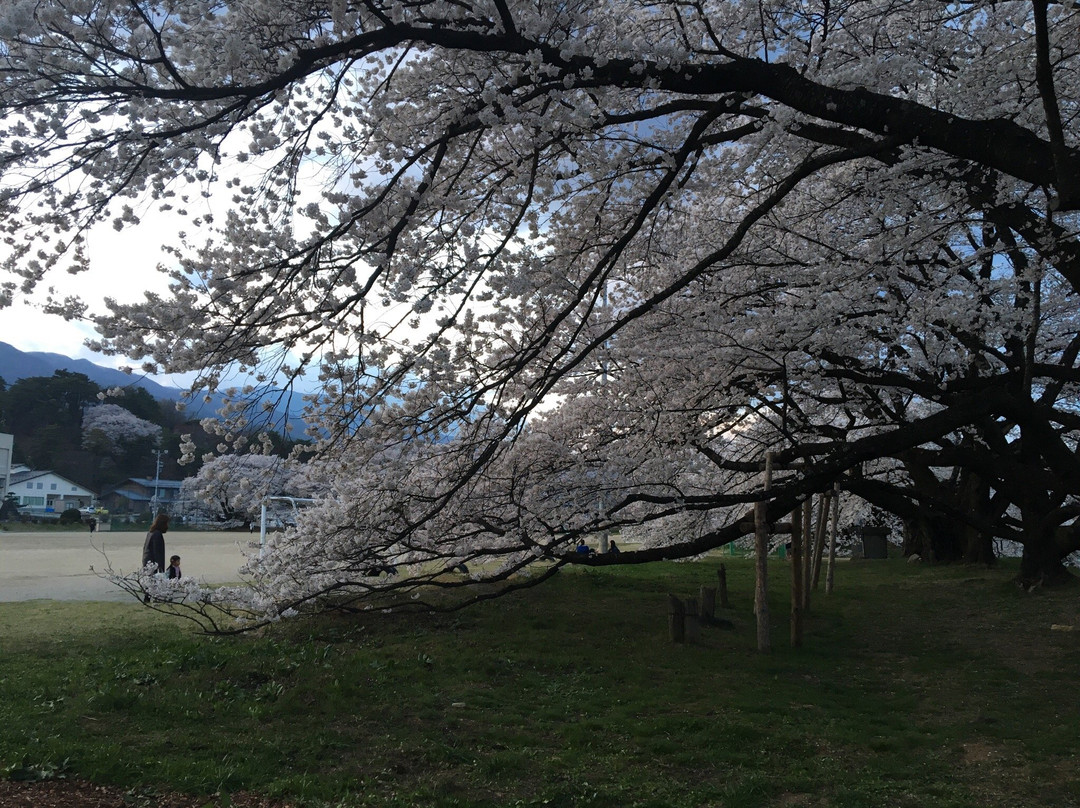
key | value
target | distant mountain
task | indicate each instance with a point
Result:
(16, 364)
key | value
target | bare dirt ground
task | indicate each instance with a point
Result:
(67, 565)
(68, 794)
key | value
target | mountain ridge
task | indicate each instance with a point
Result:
(16, 364)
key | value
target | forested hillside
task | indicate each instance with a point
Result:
(50, 417)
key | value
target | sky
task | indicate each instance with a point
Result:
(123, 266)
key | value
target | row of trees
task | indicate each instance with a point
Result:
(574, 267)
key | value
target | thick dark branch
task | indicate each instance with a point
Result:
(817, 477)
(997, 143)
(1053, 242)
(1068, 178)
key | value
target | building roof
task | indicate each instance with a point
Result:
(129, 495)
(26, 475)
(23, 475)
(150, 483)
(124, 488)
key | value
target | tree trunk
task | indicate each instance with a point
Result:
(1045, 551)
(937, 538)
(974, 496)
(1043, 565)
(796, 578)
(938, 530)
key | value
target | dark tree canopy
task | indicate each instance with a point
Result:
(565, 268)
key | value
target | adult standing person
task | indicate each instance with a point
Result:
(153, 551)
(154, 547)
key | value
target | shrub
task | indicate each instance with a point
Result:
(9, 508)
(70, 517)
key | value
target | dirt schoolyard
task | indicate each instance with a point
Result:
(57, 565)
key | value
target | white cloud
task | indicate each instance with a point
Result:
(123, 266)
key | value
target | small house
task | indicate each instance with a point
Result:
(136, 495)
(43, 493)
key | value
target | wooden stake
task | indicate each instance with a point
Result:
(693, 621)
(796, 577)
(808, 551)
(824, 502)
(707, 596)
(676, 619)
(722, 574)
(761, 564)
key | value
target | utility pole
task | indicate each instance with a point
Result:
(157, 479)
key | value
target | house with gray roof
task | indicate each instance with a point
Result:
(44, 493)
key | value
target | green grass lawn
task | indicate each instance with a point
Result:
(916, 686)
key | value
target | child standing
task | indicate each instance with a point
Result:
(174, 567)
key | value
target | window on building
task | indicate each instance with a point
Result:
(40, 486)
(52, 487)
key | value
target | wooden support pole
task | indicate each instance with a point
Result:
(808, 551)
(796, 577)
(693, 621)
(707, 596)
(829, 575)
(824, 502)
(761, 564)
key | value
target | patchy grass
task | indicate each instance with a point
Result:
(916, 686)
(41, 527)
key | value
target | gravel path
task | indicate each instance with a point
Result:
(56, 565)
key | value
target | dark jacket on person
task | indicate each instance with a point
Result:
(154, 550)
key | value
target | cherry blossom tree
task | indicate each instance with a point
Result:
(233, 486)
(565, 268)
(107, 427)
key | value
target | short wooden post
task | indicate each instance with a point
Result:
(676, 619)
(707, 595)
(722, 574)
(693, 621)
(761, 563)
(796, 578)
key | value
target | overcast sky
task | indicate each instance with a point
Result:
(123, 267)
